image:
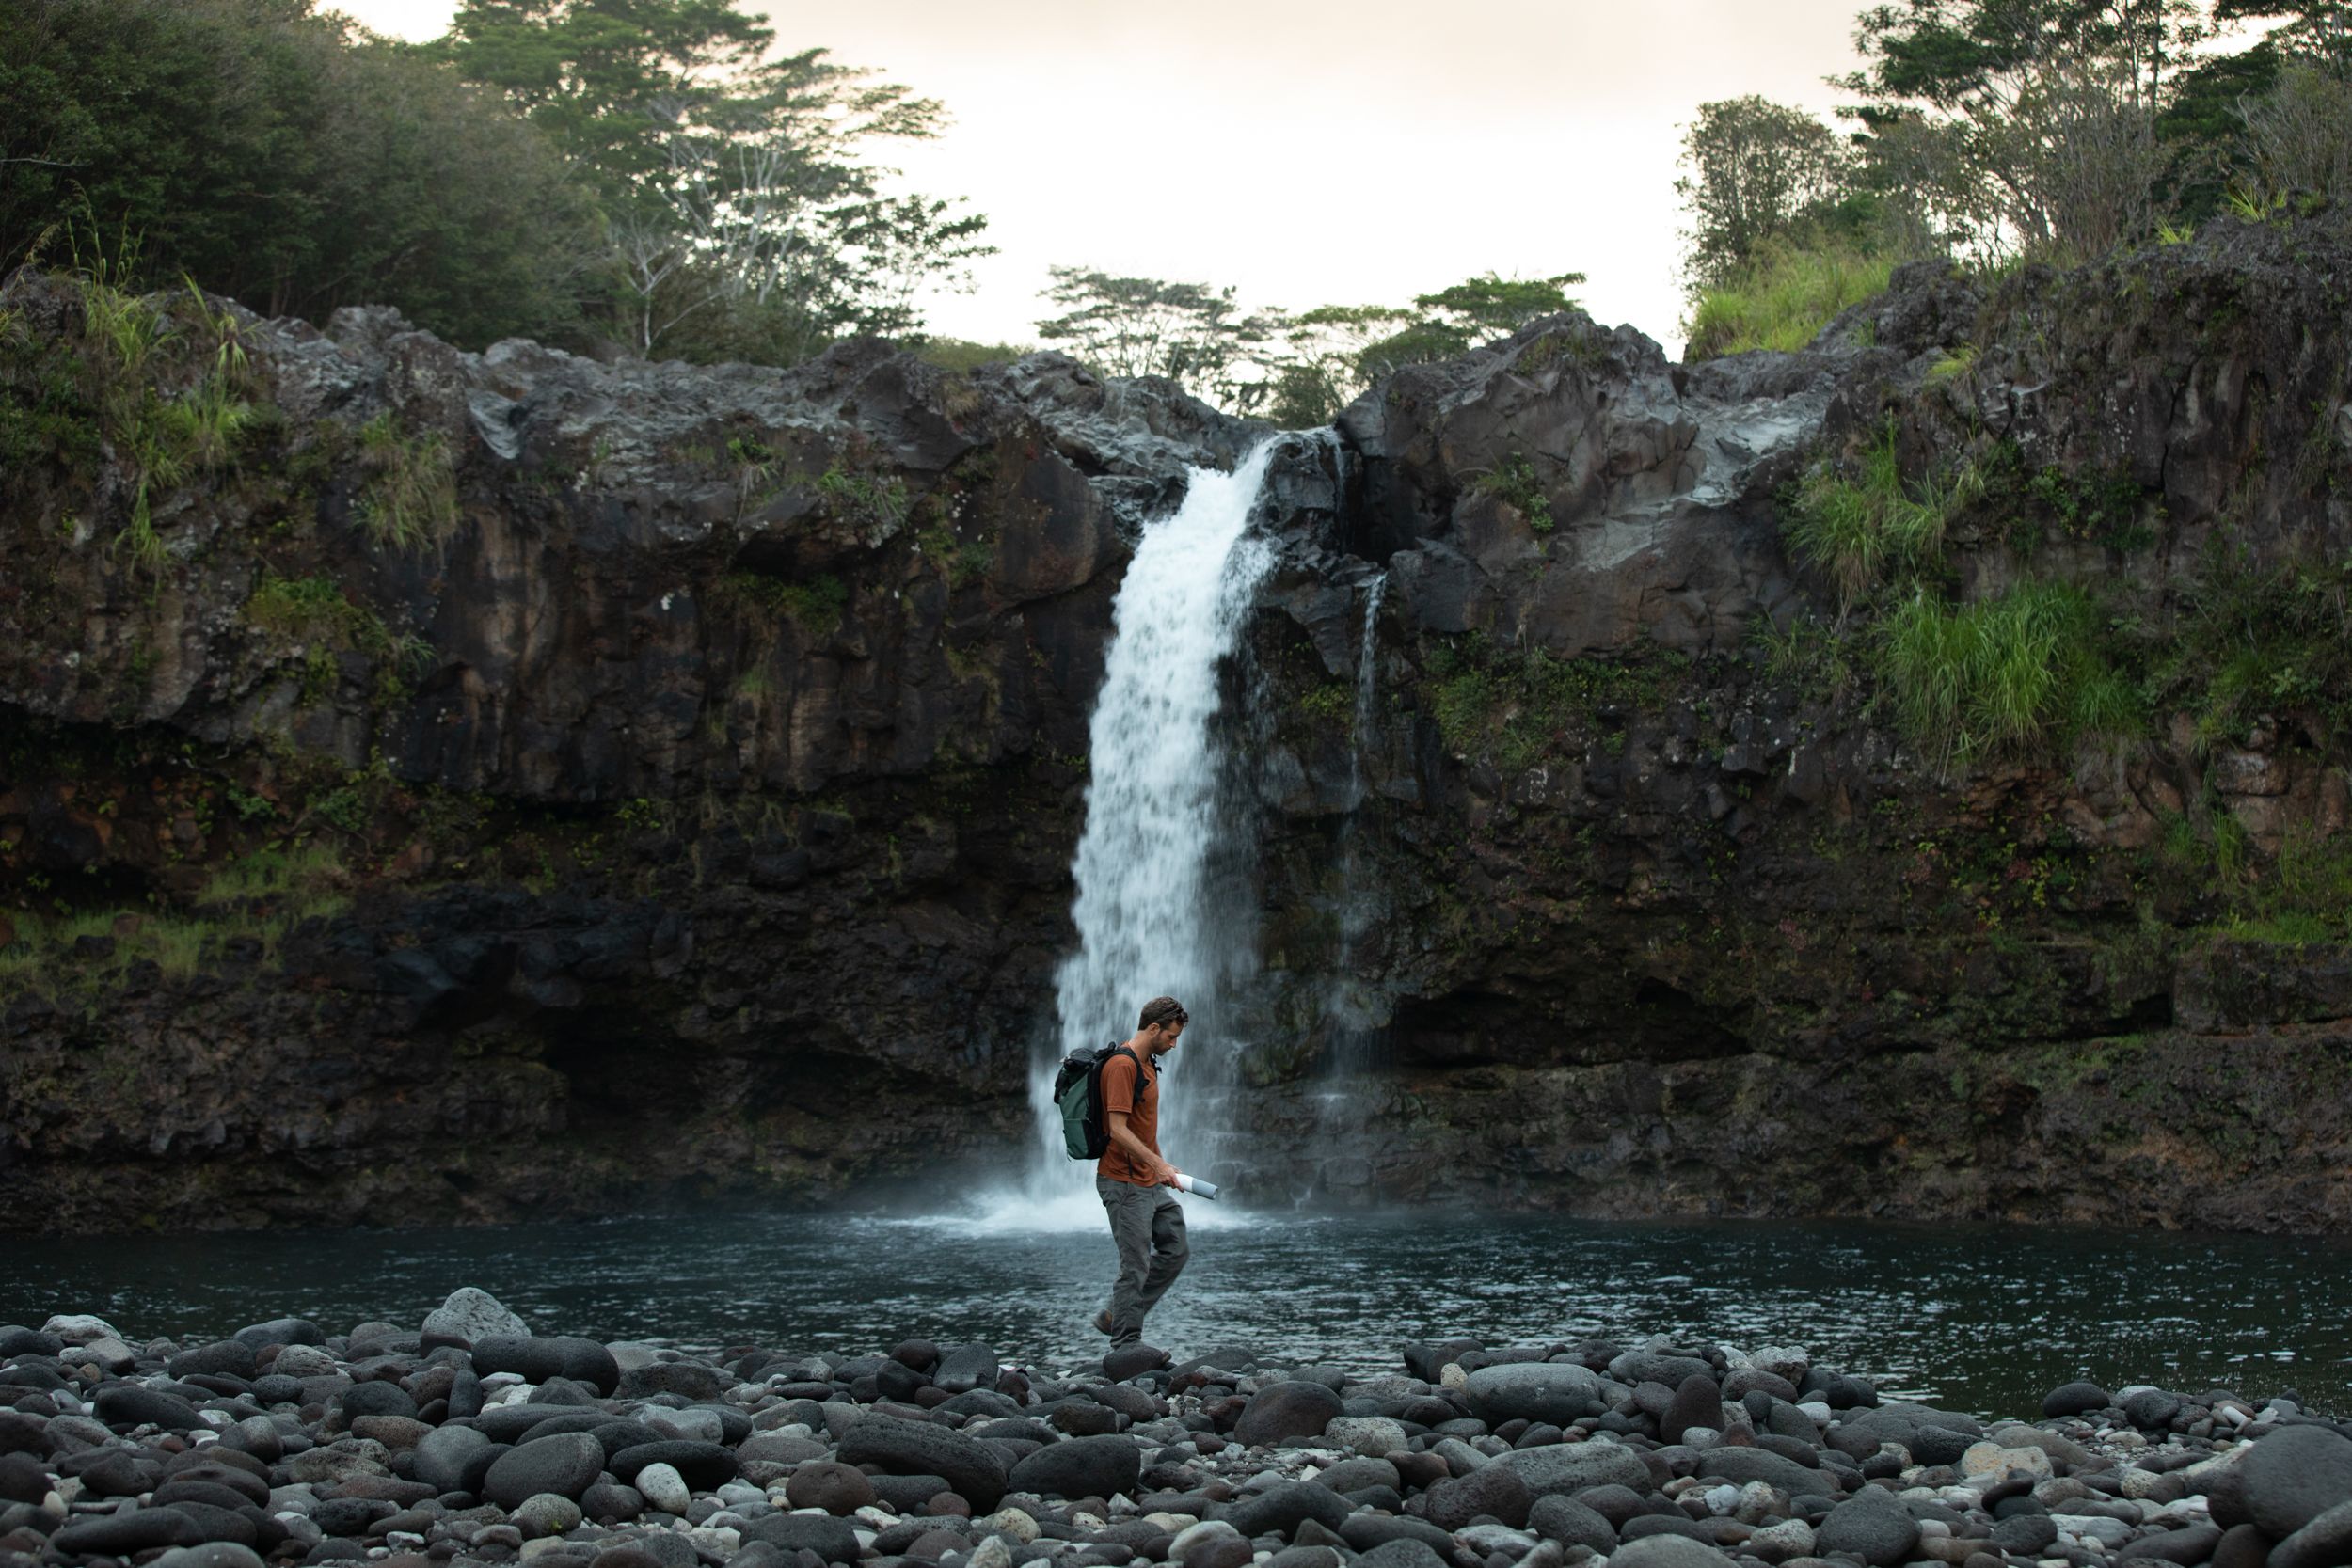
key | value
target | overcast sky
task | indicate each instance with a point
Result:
(1309, 151)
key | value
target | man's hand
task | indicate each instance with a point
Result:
(1164, 1176)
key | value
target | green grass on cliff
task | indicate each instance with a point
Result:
(1783, 300)
(409, 499)
(1516, 706)
(261, 896)
(2020, 674)
(1870, 526)
(2254, 642)
(161, 382)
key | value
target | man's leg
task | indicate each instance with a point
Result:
(1129, 1211)
(1169, 1251)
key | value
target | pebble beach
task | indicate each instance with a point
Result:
(468, 1438)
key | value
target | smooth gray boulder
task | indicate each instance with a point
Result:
(470, 1314)
(1574, 1466)
(566, 1464)
(1555, 1391)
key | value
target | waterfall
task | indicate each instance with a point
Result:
(1349, 1003)
(1367, 688)
(1145, 910)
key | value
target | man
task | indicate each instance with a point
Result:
(1137, 1185)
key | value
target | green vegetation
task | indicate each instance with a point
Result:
(2250, 642)
(408, 500)
(877, 504)
(1295, 369)
(1807, 655)
(1516, 485)
(1782, 299)
(961, 353)
(1513, 708)
(817, 604)
(278, 156)
(966, 560)
(314, 613)
(1330, 702)
(2019, 674)
(1867, 528)
(260, 897)
(162, 383)
(563, 169)
(1987, 132)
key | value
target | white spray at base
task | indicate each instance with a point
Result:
(1143, 911)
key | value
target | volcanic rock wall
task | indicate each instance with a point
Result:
(518, 784)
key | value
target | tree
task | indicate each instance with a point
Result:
(1455, 319)
(1195, 333)
(1334, 353)
(2020, 125)
(1757, 171)
(743, 203)
(2300, 140)
(278, 156)
(2314, 33)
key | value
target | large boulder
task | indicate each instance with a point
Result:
(706, 1466)
(1743, 1465)
(566, 1464)
(1281, 1509)
(1571, 1524)
(1492, 1489)
(1872, 1525)
(2295, 1475)
(1667, 1551)
(473, 1314)
(1279, 1410)
(964, 1368)
(833, 1540)
(1080, 1467)
(1555, 1391)
(542, 1360)
(903, 1448)
(1574, 1466)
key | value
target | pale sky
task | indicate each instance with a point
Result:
(1309, 151)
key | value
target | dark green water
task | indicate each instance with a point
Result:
(1983, 1318)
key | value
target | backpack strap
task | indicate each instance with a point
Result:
(1116, 1049)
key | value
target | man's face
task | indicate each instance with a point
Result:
(1162, 1037)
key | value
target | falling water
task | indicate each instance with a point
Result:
(1145, 915)
(1351, 1004)
(1367, 688)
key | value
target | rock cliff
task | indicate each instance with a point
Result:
(466, 787)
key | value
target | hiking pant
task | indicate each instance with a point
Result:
(1148, 1228)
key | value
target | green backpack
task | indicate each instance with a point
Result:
(1086, 1132)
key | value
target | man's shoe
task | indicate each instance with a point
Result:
(1102, 1324)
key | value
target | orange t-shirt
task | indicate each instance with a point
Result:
(1141, 1101)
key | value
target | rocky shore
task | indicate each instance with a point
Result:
(470, 1440)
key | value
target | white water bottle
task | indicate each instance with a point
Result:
(1197, 1187)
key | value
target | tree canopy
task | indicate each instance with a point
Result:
(276, 156)
(570, 169)
(1296, 370)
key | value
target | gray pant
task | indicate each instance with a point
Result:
(1148, 1228)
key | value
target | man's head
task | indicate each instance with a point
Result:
(1163, 1019)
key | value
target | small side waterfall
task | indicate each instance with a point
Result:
(1354, 1011)
(1146, 920)
(1354, 913)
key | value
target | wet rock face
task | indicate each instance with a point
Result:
(1567, 489)
(693, 805)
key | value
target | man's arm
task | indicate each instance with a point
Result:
(1162, 1173)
